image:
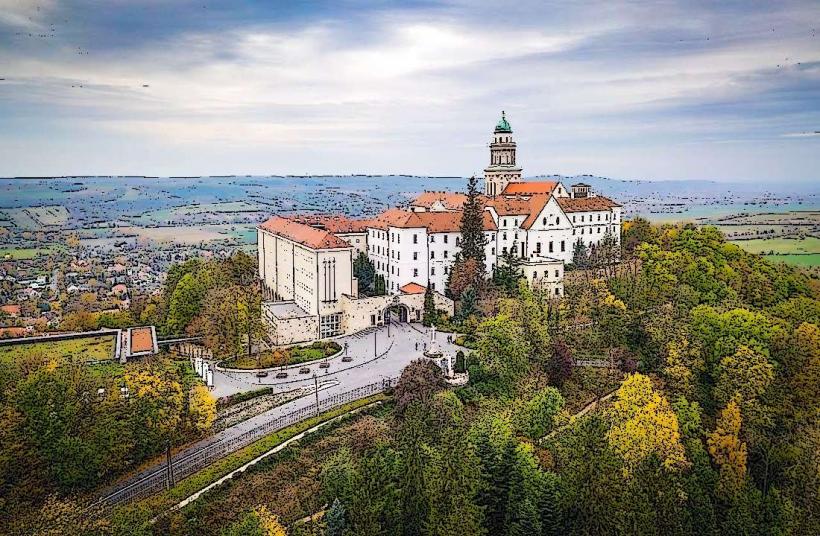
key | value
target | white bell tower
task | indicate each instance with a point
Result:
(502, 169)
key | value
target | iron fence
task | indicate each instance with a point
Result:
(187, 463)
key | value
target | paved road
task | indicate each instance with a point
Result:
(396, 352)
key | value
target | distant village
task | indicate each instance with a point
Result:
(37, 294)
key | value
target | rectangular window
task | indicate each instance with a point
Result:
(563, 246)
(505, 236)
(458, 241)
(538, 247)
(445, 239)
(445, 253)
(331, 325)
(415, 255)
(556, 273)
(432, 254)
(415, 272)
(415, 239)
(433, 286)
(433, 271)
(432, 238)
(550, 246)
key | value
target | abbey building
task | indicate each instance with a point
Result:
(306, 263)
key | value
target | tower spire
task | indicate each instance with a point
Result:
(502, 169)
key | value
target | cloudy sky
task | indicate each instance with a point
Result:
(636, 90)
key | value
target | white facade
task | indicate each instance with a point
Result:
(306, 264)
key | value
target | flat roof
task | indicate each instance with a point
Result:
(286, 310)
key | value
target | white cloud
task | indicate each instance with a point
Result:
(418, 83)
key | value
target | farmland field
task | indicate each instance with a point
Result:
(783, 245)
(791, 250)
(26, 253)
(810, 260)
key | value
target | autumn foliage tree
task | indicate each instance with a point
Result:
(728, 451)
(644, 424)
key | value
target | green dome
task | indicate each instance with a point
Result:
(503, 125)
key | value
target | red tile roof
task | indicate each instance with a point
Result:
(530, 206)
(11, 309)
(303, 234)
(450, 200)
(142, 340)
(335, 223)
(586, 204)
(9, 333)
(434, 222)
(512, 206)
(533, 187)
(413, 288)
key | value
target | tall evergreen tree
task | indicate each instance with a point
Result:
(414, 502)
(365, 272)
(468, 304)
(508, 272)
(473, 240)
(335, 519)
(429, 315)
(580, 254)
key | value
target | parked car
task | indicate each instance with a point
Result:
(262, 374)
(280, 375)
(347, 359)
(324, 365)
(304, 370)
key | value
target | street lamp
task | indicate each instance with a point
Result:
(316, 392)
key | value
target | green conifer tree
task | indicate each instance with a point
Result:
(473, 240)
(335, 519)
(429, 316)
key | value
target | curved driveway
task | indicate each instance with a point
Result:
(394, 353)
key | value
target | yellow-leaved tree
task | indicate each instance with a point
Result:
(727, 450)
(269, 523)
(159, 398)
(644, 424)
(202, 408)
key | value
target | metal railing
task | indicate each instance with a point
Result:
(188, 463)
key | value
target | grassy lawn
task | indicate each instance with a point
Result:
(19, 254)
(72, 350)
(285, 356)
